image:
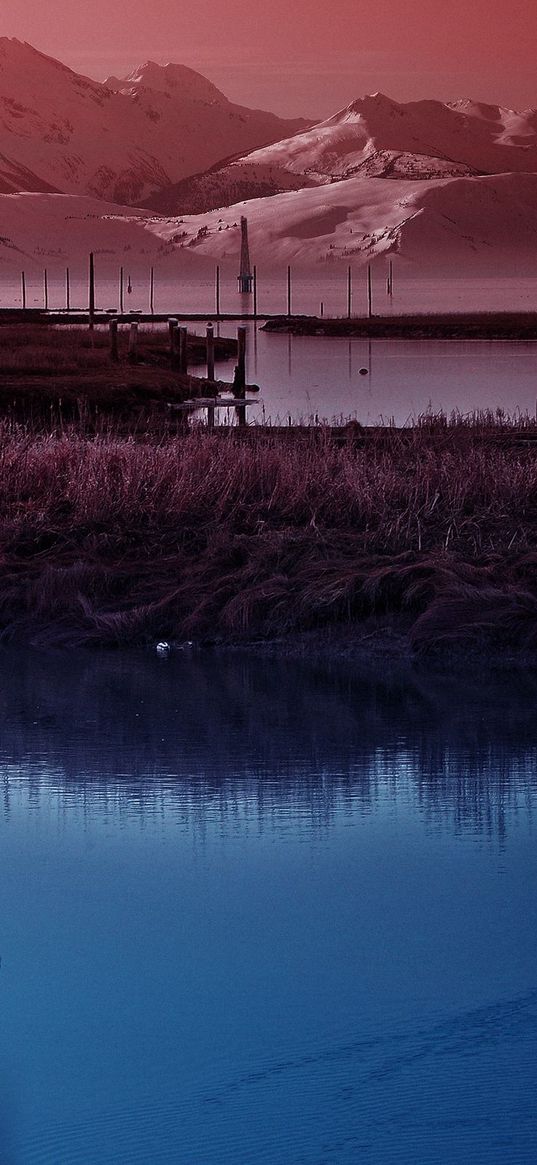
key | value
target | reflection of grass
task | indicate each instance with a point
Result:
(119, 540)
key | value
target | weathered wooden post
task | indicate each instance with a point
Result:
(91, 291)
(114, 350)
(349, 293)
(217, 291)
(172, 326)
(255, 293)
(288, 291)
(175, 355)
(369, 292)
(45, 289)
(322, 309)
(121, 291)
(23, 290)
(152, 291)
(239, 383)
(183, 350)
(390, 277)
(67, 289)
(210, 352)
(210, 373)
(133, 342)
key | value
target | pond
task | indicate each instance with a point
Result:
(265, 910)
(314, 378)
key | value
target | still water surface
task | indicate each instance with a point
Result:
(307, 378)
(260, 911)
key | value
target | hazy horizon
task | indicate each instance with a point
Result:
(298, 62)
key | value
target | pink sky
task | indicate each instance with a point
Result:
(295, 56)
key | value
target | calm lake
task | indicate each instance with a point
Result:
(257, 910)
(303, 378)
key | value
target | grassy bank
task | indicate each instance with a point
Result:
(119, 540)
(415, 326)
(52, 375)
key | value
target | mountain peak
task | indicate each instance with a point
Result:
(169, 79)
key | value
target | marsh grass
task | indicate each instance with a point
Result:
(50, 376)
(116, 539)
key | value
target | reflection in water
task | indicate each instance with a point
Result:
(265, 911)
(304, 375)
(268, 733)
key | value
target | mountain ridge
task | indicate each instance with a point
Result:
(62, 131)
(373, 136)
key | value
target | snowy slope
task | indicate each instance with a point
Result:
(374, 137)
(380, 137)
(119, 140)
(57, 230)
(473, 224)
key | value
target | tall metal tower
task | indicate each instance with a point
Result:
(245, 279)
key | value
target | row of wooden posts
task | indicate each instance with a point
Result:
(178, 341)
(91, 291)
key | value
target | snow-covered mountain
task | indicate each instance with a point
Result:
(378, 137)
(449, 186)
(373, 137)
(120, 140)
(481, 226)
(458, 224)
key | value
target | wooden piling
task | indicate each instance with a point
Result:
(390, 277)
(217, 291)
(67, 289)
(152, 291)
(255, 293)
(239, 383)
(349, 293)
(183, 350)
(369, 292)
(133, 342)
(288, 291)
(91, 291)
(23, 290)
(210, 352)
(172, 327)
(45, 289)
(121, 291)
(113, 333)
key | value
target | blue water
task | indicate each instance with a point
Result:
(261, 911)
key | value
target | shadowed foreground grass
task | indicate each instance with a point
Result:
(115, 541)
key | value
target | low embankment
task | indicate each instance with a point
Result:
(122, 540)
(434, 326)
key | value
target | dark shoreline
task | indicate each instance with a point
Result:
(377, 645)
(439, 326)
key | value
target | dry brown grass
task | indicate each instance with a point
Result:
(118, 540)
(52, 376)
